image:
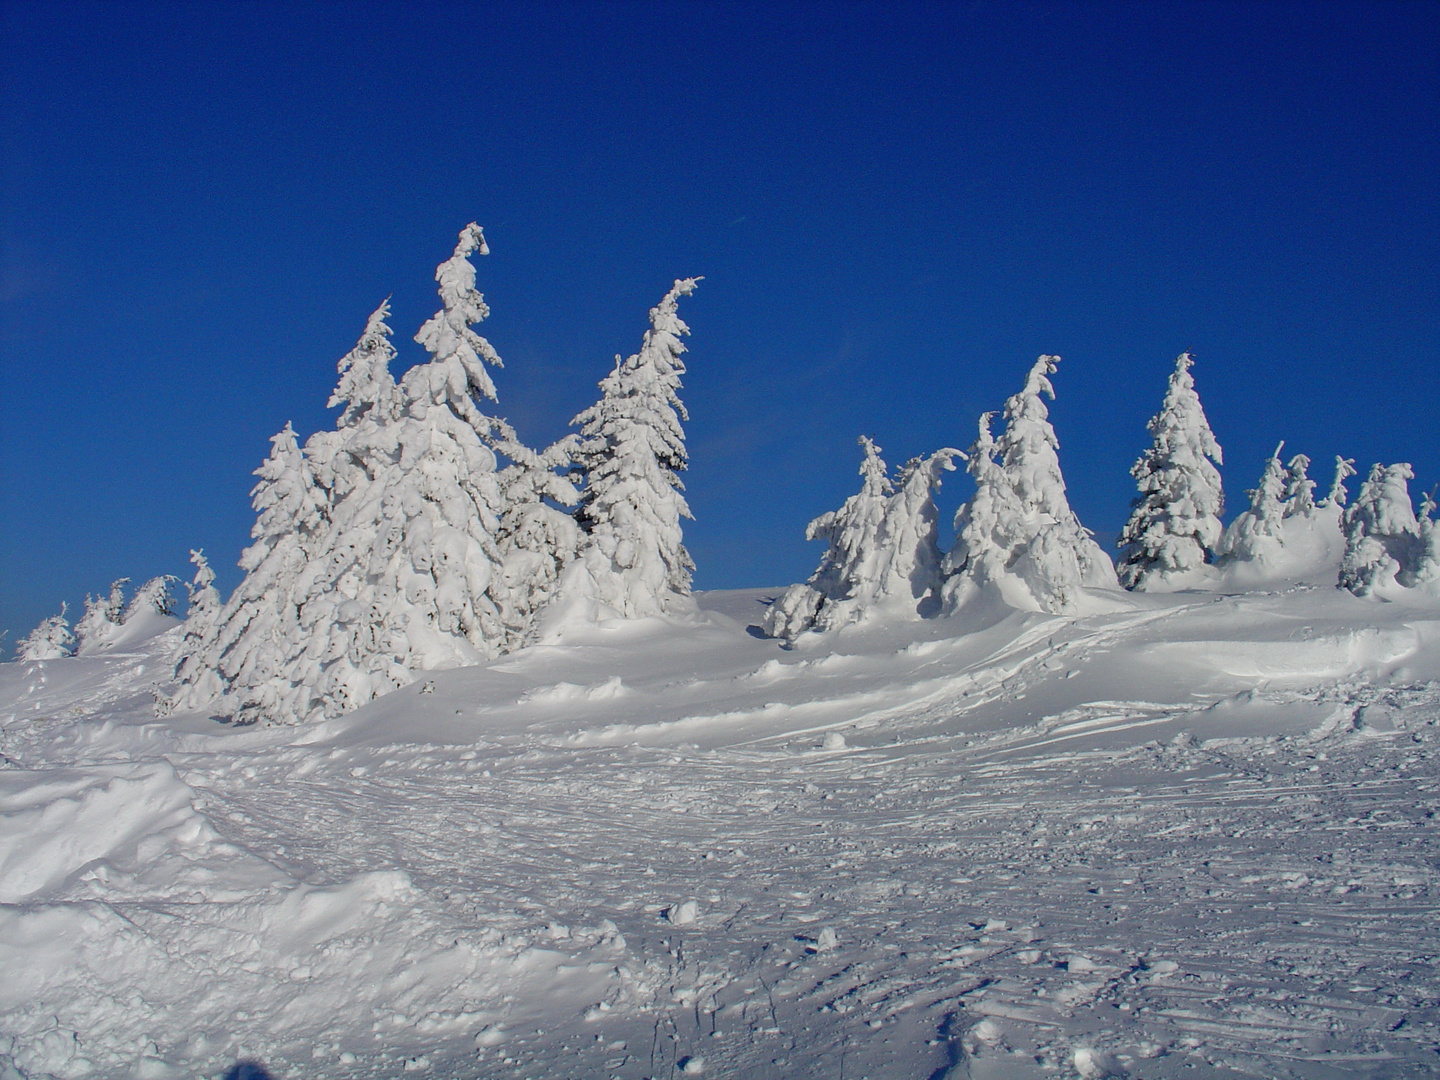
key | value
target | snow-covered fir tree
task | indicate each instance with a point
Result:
(847, 570)
(1018, 534)
(1344, 469)
(412, 576)
(350, 639)
(1174, 526)
(1382, 536)
(202, 681)
(631, 453)
(386, 554)
(443, 578)
(367, 388)
(913, 562)
(1299, 488)
(101, 621)
(154, 596)
(254, 635)
(1426, 569)
(538, 537)
(882, 545)
(51, 640)
(1255, 535)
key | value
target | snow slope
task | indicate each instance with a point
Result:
(1191, 838)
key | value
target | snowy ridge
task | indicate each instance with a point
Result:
(1197, 831)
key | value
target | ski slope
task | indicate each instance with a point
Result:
(1191, 836)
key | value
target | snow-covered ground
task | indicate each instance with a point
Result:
(1190, 837)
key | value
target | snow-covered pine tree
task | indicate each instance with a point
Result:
(1021, 536)
(882, 547)
(1299, 488)
(348, 655)
(154, 596)
(201, 682)
(1174, 525)
(1344, 469)
(1426, 571)
(366, 387)
(256, 634)
(101, 621)
(1255, 535)
(847, 570)
(910, 531)
(631, 453)
(1382, 537)
(443, 579)
(51, 640)
(410, 576)
(538, 540)
(977, 560)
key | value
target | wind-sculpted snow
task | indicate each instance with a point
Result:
(1190, 838)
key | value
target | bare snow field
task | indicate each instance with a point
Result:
(1190, 837)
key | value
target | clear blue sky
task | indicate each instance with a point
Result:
(896, 208)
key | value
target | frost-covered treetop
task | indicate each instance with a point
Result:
(285, 497)
(365, 379)
(666, 329)
(1028, 444)
(1181, 421)
(1344, 469)
(456, 374)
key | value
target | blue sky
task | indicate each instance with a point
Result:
(895, 207)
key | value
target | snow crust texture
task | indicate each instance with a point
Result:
(1191, 838)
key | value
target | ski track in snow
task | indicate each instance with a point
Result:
(1195, 839)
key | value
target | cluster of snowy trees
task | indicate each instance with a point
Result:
(422, 533)
(101, 623)
(1016, 537)
(1018, 541)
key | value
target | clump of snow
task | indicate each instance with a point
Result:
(1097, 1065)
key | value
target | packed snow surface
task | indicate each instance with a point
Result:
(1191, 837)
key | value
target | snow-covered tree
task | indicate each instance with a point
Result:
(913, 563)
(1174, 525)
(848, 569)
(1426, 571)
(1382, 537)
(1299, 488)
(410, 576)
(51, 640)
(154, 596)
(201, 681)
(1255, 535)
(538, 539)
(101, 621)
(254, 635)
(881, 546)
(631, 453)
(366, 386)
(1344, 469)
(1018, 534)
